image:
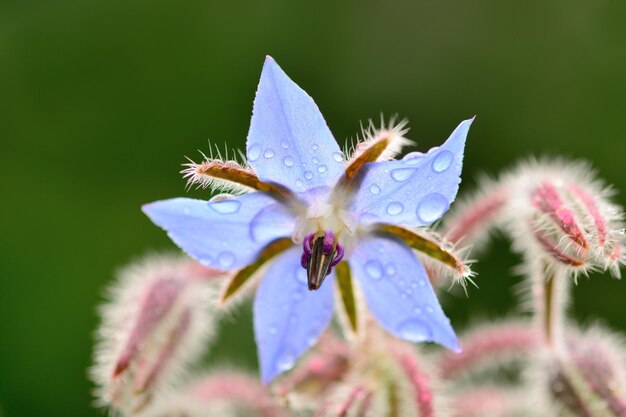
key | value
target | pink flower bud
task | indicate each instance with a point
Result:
(559, 211)
(159, 318)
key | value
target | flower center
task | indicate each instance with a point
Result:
(321, 252)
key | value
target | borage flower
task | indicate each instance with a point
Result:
(319, 218)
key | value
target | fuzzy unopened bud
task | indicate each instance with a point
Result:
(560, 212)
(159, 317)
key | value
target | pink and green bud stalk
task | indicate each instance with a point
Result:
(158, 319)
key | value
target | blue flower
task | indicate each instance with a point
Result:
(314, 219)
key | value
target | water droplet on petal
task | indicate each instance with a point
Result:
(374, 269)
(226, 259)
(273, 330)
(338, 157)
(300, 275)
(285, 361)
(414, 330)
(315, 161)
(432, 207)
(284, 145)
(308, 175)
(311, 338)
(417, 310)
(402, 174)
(422, 282)
(206, 260)
(288, 161)
(394, 208)
(322, 168)
(413, 158)
(187, 211)
(220, 197)
(226, 206)
(269, 153)
(299, 183)
(315, 147)
(443, 161)
(430, 310)
(374, 189)
(254, 152)
(390, 269)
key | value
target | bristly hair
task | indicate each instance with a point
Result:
(197, 174)
(370, 134)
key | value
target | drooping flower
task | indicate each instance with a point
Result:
(321, 218)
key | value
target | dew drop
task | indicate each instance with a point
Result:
(402, 174)
(220, 197)
(308, 175)
(315, 147)
(269, 153)
(414, 330)
(273, 330)
(394, 208)
(338, 157)
(311, 339)
(374, 189)
(422, 282)
(322, 168)
(284, 145)
(417, 310)
(315, 161)
(254, 152)
(186, 210)
(300, 275)
(401, 283)
(390, 269)
(374, 269)
(206, 261)
(285, 361)
(299, 183)
(443, 161)
(288, 161)
(431, 207)
(430, 310)
(226, 206)
(413, 158)
(226, 259)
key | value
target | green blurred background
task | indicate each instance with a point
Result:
(100, 101)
